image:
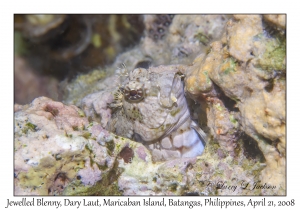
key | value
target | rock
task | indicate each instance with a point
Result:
(53, 145)
(277, 20)
(70, 156)
(248, 71)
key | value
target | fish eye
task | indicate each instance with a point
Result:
(134, 95)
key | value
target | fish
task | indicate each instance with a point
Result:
(150, 107)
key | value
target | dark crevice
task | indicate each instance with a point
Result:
(275, 143)
(61, 176)
(108, 184)
(280, 74)
(229, 103)
(251, 149)
(271, 30)
(200, 109)
(269, 87)
(53, 110)
(191, 194)
(266, 140)
(143, 64)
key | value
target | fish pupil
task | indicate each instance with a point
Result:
(133, 92)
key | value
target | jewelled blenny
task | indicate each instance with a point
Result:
(150, 107)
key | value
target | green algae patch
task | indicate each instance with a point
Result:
(202, 38)
(92, 77)
(110, 147)
(96, 40)
(83, 85)
(173, 187)
(86, 135)
(42, 177)
(81, 113)
(36, 178)
(98, 189)
(233, 121)
(208, 81)
(20, 45)
(274, 56)
(102, 167)
(204, 84)
(228, 66)
(29, 127)
(218, 106)
(108, 185)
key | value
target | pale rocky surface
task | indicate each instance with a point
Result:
(58, 152)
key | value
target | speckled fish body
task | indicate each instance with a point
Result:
(153, 110)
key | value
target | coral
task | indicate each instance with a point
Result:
(157, 25)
